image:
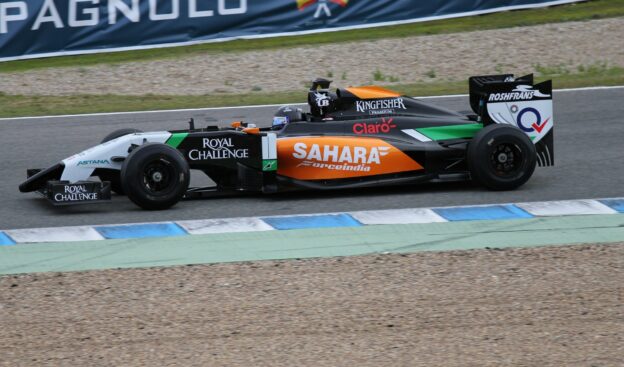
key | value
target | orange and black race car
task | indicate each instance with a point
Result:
(350, 138)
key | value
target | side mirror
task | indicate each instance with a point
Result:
(320, 83)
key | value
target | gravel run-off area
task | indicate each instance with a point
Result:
(561, 47)
(551, 306)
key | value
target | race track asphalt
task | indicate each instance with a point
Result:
(589, 151)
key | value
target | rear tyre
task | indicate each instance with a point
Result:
(113, 175)
(155, 176)
(501, 157)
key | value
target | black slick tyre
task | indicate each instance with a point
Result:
(501, 157)
(112, 175)
(155, 176)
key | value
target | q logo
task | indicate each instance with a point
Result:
(538, 119)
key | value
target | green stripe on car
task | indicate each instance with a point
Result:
(176, 139)
(269, 165)
(448, 132)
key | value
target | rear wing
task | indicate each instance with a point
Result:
(504, 99)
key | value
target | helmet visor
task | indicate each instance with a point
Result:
(280, 120)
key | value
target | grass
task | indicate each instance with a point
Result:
(378, 76)
(595, 9)
(12, 105)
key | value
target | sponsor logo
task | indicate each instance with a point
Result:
(380, 106)
(94, 14)
(322, 6)
(322, 100)
(383, 127)
(530, 120)
(217, 148)
(520, 93)
(94, 162)
(75, 193)
(269, 165)
(348, 158)
(317, 158)
(340, 154)
(380, 112)
(336, 167)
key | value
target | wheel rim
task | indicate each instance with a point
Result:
(158, 177)
(506, 159)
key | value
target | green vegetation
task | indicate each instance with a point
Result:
(378, 76)
(595, 9)
(560, 69)
(563, 69)
(12, 106)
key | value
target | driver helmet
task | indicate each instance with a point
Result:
(285, 115)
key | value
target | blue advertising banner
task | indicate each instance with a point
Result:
(39, 28)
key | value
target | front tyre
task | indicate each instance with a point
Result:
(112, 175)
(155, 176)
(501, 157)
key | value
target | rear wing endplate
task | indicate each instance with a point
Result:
(505, 99)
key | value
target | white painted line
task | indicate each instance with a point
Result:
(397, 216)
(256, 106)
(60, 234)
(149, 112)
(566, 207)
(230, 225)
(442, 96)
(556, 91)
(589, 88)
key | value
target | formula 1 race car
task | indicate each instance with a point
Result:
(352, 137)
